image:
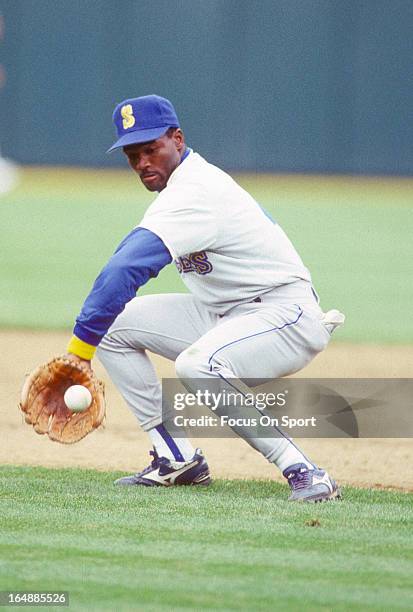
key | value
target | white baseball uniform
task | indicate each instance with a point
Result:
(251, 311)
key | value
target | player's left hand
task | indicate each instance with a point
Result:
(76, 359)
(43, 404)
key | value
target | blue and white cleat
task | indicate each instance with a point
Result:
(163, 472)
(310, 485)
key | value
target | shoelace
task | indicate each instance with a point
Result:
(300, 480)
(153, 465)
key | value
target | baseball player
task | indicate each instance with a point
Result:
(251, 311)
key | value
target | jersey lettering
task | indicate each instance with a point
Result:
(195, 262)
(128, 120)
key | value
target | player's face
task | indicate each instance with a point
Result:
(155, 161)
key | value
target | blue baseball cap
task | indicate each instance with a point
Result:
(142, 120)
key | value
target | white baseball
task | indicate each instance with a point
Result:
(77, 398)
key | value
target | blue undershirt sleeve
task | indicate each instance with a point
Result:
(140, 256)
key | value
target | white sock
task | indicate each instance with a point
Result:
(288, 454)
(166, 445)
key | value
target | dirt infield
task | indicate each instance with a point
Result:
(122, 446)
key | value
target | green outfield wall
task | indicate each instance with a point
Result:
(272, 85)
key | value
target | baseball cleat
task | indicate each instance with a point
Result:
(310, 485)
(163, 472)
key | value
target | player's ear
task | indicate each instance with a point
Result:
(179, 139)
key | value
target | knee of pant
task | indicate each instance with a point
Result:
(190, 364)
(106, 344)
(109, 345)
(100, 352)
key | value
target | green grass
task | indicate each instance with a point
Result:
(237, 545)
(59, 227)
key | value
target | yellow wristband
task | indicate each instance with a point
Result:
(80, 348)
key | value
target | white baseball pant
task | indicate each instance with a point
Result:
(256, 340)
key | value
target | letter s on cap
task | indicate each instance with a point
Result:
(127, 114)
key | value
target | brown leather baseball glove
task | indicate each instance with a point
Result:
(44, 407)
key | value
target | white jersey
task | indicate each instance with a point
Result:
(225, 247)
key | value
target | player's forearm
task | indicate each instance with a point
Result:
(113, 288)
(140, 256)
